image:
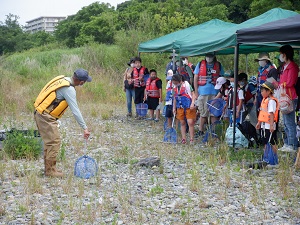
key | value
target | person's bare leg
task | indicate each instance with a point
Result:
(191, 123)
(151, 113)
(203, 120)
(183, 129)
(157, 113)
(213, 119)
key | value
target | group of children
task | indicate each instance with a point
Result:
(180, 100)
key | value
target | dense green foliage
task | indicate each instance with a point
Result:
(19, 146)
(102, 23)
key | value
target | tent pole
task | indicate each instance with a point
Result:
(236, 70)
(246, 63)
(174, 61)
(139, 54)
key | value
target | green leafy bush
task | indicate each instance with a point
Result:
(19, 145)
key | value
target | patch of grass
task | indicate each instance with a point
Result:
(244, 155)
(156, 190)
(19, 146)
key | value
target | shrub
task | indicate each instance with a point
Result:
(19, 146)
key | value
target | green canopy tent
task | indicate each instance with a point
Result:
(169, 42)
(224, 42)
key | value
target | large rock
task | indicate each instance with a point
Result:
(149, 162)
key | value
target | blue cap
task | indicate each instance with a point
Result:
(82, 75)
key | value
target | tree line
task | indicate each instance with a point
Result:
(139, 19)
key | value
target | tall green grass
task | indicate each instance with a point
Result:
(22, 75)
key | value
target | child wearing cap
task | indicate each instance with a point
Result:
(268, 115)
(223, 85)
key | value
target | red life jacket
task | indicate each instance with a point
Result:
(190, 65)
(247, 93)
(202, 75)
(182, 71)
(183, 99)
(264, 115)
(152, 89)
(136, 75)
(264, 75)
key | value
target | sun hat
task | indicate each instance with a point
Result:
(220, 82)
(130, 61)
(263, 56)
(82, 75)
(268, 85)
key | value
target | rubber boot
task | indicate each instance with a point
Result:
(51, 170)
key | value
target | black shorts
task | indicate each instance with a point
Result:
(169, 111)
(265, 135)
(152, 103)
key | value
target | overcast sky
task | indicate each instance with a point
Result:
(31, 9)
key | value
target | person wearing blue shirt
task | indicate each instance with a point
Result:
(206, 74)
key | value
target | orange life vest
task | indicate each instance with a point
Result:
(264, 115)
(136, 75)
(202, 75)
(152, 89)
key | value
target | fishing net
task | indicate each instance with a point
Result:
(141, 109)
(171, 134)
(215, 106)
(85, 166)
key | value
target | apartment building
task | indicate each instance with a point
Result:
(45, 23)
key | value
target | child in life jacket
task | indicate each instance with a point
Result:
(223, 85)
(169, 98)
(239, 101)
(184, 106)
(153, 95)
(268, 115)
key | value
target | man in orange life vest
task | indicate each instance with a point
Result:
(140, 75)
(206, 73)
(265, 70)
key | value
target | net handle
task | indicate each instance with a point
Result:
(173, 121)
(212, 106)
(85, 146)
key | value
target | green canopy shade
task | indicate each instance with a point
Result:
(224, 42)
(170, 41)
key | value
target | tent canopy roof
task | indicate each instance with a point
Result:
(281, 31)
(169, 42)
(225, 41)
(220, 37)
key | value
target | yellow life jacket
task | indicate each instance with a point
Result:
(46, 100)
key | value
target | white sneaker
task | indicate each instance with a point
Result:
(287, 148)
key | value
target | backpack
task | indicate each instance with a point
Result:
(249, 131)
